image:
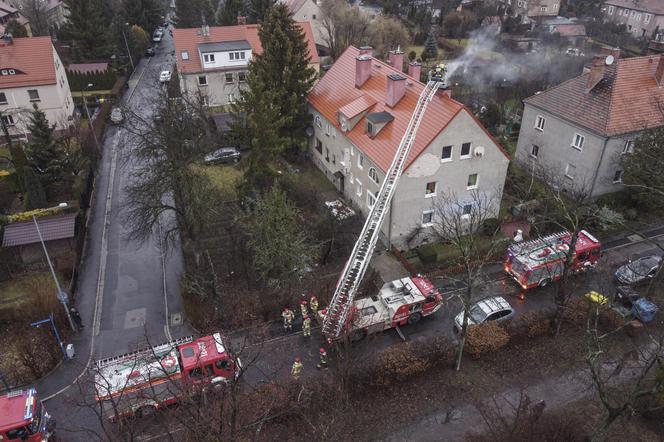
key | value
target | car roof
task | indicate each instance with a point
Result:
(493, 304)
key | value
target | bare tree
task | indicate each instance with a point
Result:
(342, 26)
(36, 11)
(458, 221)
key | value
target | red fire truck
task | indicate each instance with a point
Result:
(23, 417)
(400, 302)
(138, 383)
(538, 262)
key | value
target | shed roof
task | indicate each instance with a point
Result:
(51, 228)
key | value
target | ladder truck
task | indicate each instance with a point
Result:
(399, 302)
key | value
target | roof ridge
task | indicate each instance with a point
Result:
(552, 88)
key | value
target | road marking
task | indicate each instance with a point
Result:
(167, 328)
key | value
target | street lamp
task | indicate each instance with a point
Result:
(62, 296)
(87, 111)
(131, 60)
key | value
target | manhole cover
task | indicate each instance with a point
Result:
(635, 237)
(134, 318)
(176, 319)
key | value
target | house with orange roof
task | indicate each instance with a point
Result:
(214, 61)
(360, 110)
(32, 74)
(582, 129)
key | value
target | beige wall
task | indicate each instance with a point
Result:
(217, 90)
(311, 12)
(409, 201)
(635, 20)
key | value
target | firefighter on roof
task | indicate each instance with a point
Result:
(323, 359)
(313, 304)
(303, 307)
(296, 370)
(438, 73)
(288, 316)
(306, 327)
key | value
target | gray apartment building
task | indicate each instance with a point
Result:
(582, 129)
(642, 17)
(361, 108)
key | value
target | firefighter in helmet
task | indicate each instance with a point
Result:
(322, 354)
(296, 370)
(306, 326)
(313, 305)
(288, 316)
(438, 73)
(303, 307)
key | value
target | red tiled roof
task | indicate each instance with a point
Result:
(31, 55)
(51, 228)
(652, 6)
(188, 40)
(87, 68)
(357, 106)
(625, 100)
(570, 30)
(336, 89)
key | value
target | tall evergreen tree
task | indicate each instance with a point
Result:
(229, 12)
(258, 10)
(191, 13)
(35, 197)
(430, 47)
(42, 148)
(144, 13)
(87, 27)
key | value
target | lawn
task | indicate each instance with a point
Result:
(225, 178)
(19, 291)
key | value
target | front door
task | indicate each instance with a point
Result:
(341, 184)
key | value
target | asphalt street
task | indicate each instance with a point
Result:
(128, 291)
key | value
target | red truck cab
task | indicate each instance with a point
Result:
(206, 360)
(23, 417)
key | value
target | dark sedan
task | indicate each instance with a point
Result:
(223, 155)
(639, 271)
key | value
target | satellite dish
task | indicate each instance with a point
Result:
(609, 60)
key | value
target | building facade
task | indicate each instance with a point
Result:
(308, 11)
(534, 9)
(32, 74)
(360, 110)
(214, 61)
(642, 17)
(582, 130)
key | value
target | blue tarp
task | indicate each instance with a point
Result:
(644, 310)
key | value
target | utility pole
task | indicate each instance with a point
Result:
(131, 60)
(87, 112)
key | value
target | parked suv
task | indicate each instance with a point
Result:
(639, 271)
(489, 309)
(223, 155)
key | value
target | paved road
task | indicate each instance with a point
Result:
(131, 286)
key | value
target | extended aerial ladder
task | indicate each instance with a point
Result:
(340, 306)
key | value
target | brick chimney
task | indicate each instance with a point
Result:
(596, 72)
(241, 20)
(362, 69)
(395, 59)
(366, 50)
(659, 73)
(610, 51)
(415, 70)
(396, 88)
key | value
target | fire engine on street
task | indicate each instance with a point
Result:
(23, 417)
(400, 302)
(541, 261)
(138, 383)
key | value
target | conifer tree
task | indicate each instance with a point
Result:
(42, 148)
(191, 13)
(229, 12)
(258, 10)
(144, 13)
(430, 47)
(87, 28)
(35, 195)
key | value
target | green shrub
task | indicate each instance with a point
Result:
(490, 226)
(428, 254)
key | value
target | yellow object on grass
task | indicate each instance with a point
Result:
(598, 298)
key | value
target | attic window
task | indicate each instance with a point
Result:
(8, 72)
(185, 55)
(370, 129)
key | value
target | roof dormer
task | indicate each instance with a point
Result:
(376, 121)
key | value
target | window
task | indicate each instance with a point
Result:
(223, 364)
(319, 146)
(327, 129)
(430, 190)
(466, 210)
(638, 17)
(427, 218)
(8, 120)
(318, 121)
(242, 77)
(229, 77)
(534, 151)
(236, 56)
(578, 141)
(327, 154)
(334, 158)
(370, 129)
(633, 13)
(202, 80)
(360, 161)
(647, 18)
(3, 98)
(185, 55)
(231, 98)
(371, 199)
(465, 150)
(447, 154)
(313, 16)
(539, 123)
(208, 58)
(358, 183)
(610, 10)
(628, 147)
(373, 174)
(473, 180)
(618, 177)
(543, 9)
(33, 94)
(231, 56)
(570, 170)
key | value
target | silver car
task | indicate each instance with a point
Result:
(489, 309)
(116, 115)
(223, 155)
(639, 270)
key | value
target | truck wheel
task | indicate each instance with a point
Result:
(358, 335)
(544, 282)
(414, 318)
(146, 410)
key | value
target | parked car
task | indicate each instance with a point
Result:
(223, 155)
(165, 76)
(149, 52)
(158, 35)
(574, 52)
(638, 271)
(116, 115)
(489, 309)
